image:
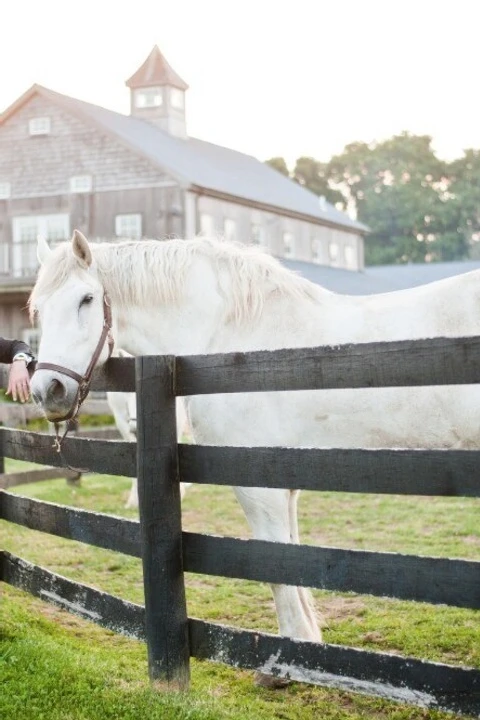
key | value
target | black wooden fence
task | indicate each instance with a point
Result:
(167, 552)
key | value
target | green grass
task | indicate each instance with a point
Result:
(46, 649)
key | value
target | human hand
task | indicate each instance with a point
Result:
(19, 381)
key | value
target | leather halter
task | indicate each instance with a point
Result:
(85, 379)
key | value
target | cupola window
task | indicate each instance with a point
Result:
(149, 97)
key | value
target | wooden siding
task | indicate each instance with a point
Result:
(39, 171)
(44, 164)
(161, 208)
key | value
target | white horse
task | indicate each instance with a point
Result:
(199, 296)
(124, 409)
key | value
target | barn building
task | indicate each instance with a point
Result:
(67, 164)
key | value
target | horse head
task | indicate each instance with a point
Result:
(74, 314)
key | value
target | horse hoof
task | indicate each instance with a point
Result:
(270, 681)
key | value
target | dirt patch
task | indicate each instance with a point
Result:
(341, 608)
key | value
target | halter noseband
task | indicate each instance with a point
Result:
(83, 380)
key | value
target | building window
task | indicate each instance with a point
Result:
(149, 97)
(39, 126)
(52, 227)
(129, 226)
(333, 252)
(5, 190)
(207, 226)
(31, 336)
(317, 254)
(81, 184)
(177, 98)
(288, 244)
(350, 257)
(229, 229)
(26, 229)
(258, 235)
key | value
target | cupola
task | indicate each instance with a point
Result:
(157, 94)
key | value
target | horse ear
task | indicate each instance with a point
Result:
(43, 251)
(81, 249)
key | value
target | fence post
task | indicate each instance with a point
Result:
(166, 621)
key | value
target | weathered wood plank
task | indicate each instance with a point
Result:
(118, 374)
(105, 531)
(407, 577)
(436, 361)
(412, 472)
(161, 523)
(9, 480)
(408, 680)
(106, 610)
(417, 472)
(113, 457)
(439, 361)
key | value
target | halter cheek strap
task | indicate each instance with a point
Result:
(83, 380)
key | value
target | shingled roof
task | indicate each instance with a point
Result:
(155, 71)
(202, 166)
(376, 279)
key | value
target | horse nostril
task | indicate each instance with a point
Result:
(56, 390)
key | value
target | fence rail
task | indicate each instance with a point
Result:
(398, 472)
(158, 538)
(389, 676)
(406, 577)
(9, 480)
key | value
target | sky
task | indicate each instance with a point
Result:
(267, 77)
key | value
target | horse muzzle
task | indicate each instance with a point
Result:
(57, 395)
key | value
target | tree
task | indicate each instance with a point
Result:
(399, 188)
(313, 175)
(279, 164)
(419, 209)
(464, 199)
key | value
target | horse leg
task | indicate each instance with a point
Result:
(305, 595)
(132, 501)
(272, 515)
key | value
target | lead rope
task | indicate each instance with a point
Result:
(69, 425)
(57, 444)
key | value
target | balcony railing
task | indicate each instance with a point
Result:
(18, 261)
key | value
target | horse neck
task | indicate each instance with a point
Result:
(182, 327)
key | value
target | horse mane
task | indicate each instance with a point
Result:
(146, 271)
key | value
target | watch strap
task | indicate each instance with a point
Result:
(22, 356)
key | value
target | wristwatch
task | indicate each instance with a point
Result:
(23, 356)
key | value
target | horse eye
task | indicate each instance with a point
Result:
(86, 300)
